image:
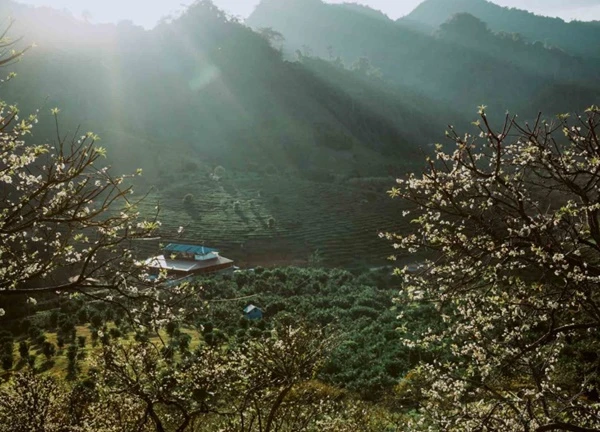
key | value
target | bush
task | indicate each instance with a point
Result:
(171, 327)
(219, 171)
(115, 333)
(34, 332)
(82, 316)
(81, 341)
(40, 339)
(188, 199)
(72, 353)
(7, 361)
(48, 349)
(109, 315)
(24, 350)
(183, 342)
(254, 332)
(96, 320)
(190, 166)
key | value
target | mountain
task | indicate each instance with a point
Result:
(582, 38)
(208, 108)
(461, 67)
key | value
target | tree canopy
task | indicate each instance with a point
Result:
(509, 222)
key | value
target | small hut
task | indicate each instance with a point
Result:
(252, 312)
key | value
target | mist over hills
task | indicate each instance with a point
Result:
(305, 128)
(217, 82)
(204, 91)
(459, 65)
(577, 37)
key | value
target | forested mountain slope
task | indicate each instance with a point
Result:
(460, 65)
(208, 108)
(212, 86)
(578, 37)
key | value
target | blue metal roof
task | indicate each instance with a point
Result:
(182, 248)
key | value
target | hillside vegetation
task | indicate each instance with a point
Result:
(203, 92)
(461, 66)
(576, 37)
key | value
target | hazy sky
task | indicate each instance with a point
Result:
(147, 12)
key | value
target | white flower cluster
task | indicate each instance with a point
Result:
(512, 229)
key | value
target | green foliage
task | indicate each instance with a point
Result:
(188, 199)
(48, 349)
(7, 360)
(445, 52)
(24, 350)
(368, 358)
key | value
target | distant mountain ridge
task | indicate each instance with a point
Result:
(221, 85)
(462, 71)
(577, 37)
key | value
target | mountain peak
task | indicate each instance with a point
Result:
(579, 38)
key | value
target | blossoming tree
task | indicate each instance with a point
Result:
(510, 225)
(66, 222)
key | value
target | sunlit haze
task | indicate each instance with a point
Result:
(147, 13)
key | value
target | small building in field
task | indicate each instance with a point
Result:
(252, 312)
(183, 260)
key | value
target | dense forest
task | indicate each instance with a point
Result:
(412, 206)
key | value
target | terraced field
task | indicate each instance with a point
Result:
(272, 220)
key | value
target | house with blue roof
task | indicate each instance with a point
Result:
(252, 312)
(184, 260)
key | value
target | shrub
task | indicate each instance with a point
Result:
(48, 349)
(219, 171)
(96, 320)
(183, 342)
(7, 361)
(24, 350)
(34, 332)
(171, 327)
(72, 353)
(190, 166)
(82, 316)
(188, 199)
(40, 339)
(81, 341)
